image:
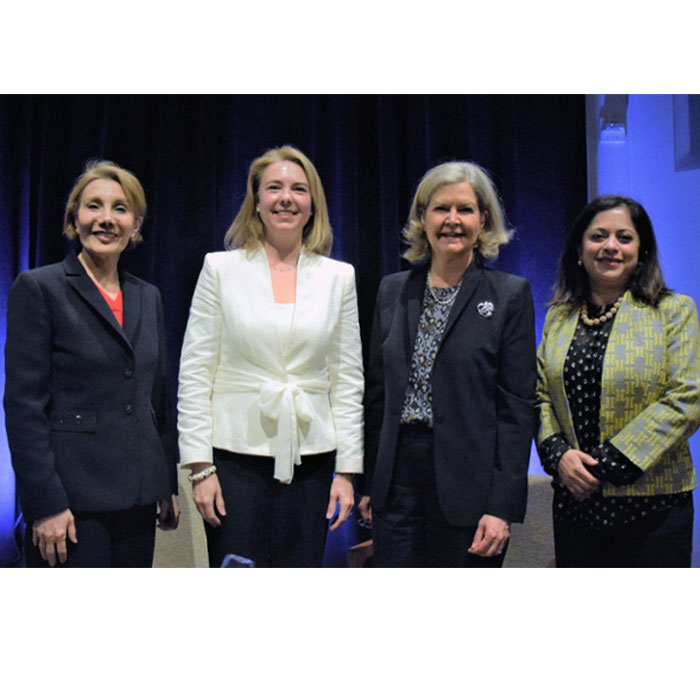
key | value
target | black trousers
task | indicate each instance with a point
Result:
(274, 524)
(662, 539)
(411, 530)
(118, 539)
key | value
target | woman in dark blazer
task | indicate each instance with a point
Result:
(89, 422)
(450, 385)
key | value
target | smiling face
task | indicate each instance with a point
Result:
(453, 221)
(284, 199)
(105, 222)
(610, 251)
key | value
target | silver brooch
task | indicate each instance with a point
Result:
(485, 308)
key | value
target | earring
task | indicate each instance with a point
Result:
(580, 262)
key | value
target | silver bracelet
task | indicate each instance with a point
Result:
(200, 476)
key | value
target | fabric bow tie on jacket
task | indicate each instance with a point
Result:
(284, 403)
(287, 404)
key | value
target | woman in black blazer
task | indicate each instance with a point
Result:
(450, 385)
(88, 415)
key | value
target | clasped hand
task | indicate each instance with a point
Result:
(574, 475)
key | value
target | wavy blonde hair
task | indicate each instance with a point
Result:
(247, 229)
(97, 170)
(495, 233)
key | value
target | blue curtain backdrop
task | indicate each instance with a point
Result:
(192, 154)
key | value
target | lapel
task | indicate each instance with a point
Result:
(131, 296)
(470, 280)
(77, 277)
(415, 290)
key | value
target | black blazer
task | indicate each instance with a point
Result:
(483, 388)
(87, 409)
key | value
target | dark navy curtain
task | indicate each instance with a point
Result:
(191, 153)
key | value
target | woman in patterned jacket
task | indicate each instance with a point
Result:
(618, 365)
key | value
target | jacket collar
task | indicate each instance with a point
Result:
(78, 278)
(418, 278)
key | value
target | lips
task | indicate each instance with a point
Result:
(105, 236)
(450, 235)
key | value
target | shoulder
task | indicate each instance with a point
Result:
(44, 274)
(395, 280)
(330, 266)
(505, 281)
(678, 310)
(674, 303)
(39, 281)
(228, 258)
(558, 314)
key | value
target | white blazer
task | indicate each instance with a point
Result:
(243, 388)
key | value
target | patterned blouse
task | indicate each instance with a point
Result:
(582, 374)
(418, 401)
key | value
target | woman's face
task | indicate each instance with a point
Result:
(610, 250)
(105, 221)
(453, 222)
(284, 199)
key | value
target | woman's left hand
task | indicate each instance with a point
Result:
(168, 513)
(491, 536)
(342, 496)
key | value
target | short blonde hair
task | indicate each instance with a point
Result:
(96, 170)
(495, 233)
(247, 230)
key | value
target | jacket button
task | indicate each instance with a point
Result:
(128, 373)
(128, 409)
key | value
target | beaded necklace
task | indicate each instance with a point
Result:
(603, 317)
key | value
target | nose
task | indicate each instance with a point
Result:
(452, 217)
(285, 196)
(106, 216)
(611, 244)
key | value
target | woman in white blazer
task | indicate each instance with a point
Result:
(271, 382)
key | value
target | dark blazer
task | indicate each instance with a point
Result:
(483, 389)
(87, 409)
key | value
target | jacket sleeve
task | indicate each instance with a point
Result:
(547, 422)
(374, 395)
(161, 400)
(198, 362)
(27, 400)
(515, 407)
(675, 415)
(347, 381)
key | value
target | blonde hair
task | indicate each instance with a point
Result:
(494, 234)
(96, 170)
(247, 230)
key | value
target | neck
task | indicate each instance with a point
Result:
(285, 251)
(101, 269)
(449, 273)
(605, 297)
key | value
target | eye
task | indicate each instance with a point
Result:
(597, 236)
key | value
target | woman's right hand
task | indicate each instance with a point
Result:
(365, 507)
(209, 499)
(49, 534)
(574, 475)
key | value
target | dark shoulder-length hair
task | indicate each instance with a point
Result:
(647, 284)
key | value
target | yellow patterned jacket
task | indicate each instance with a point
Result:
(650, 395)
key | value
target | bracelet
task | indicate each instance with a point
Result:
(201, 476)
